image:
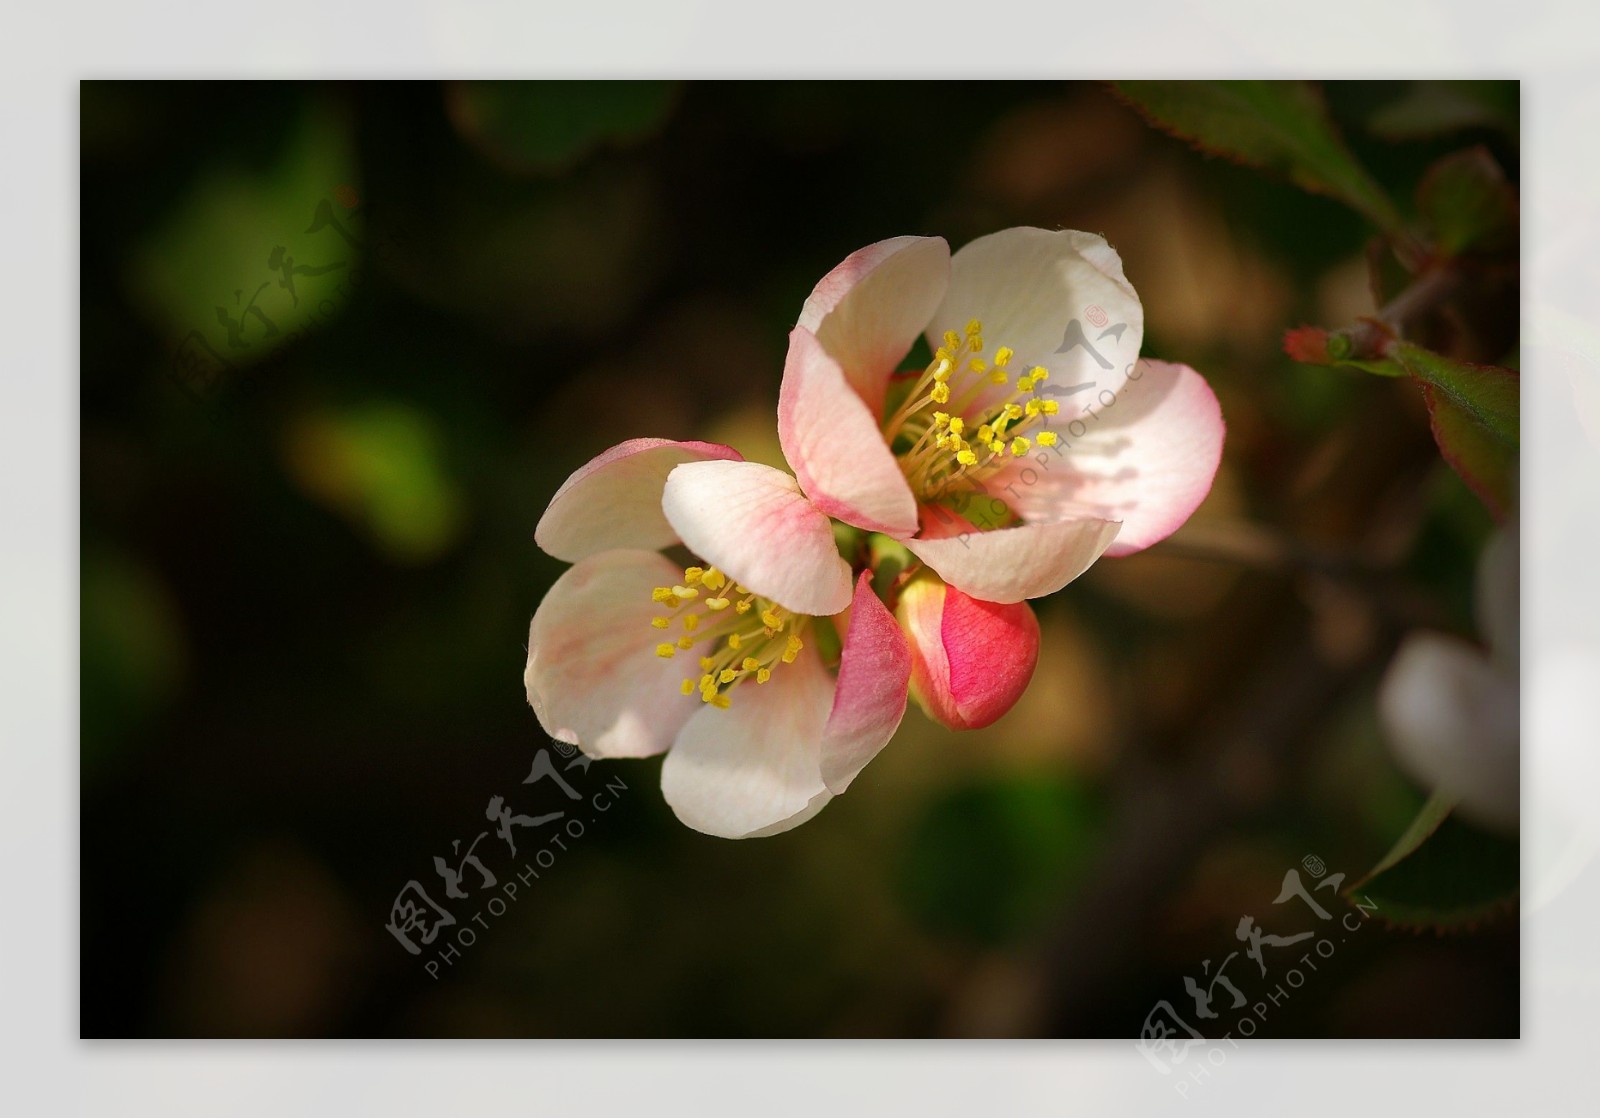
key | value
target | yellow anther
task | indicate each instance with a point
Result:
(942, 442)
(974, 327)
(727, 676)
(686, 642)
(713, 580)
(978, 365)
(1032, 408)
(1046, 438)
(967, 457)
(742, 606)
(941, 354)
(1003, 355)
(792, 649)
(1013, 411)
(941, 371)
(737, 589)
(1049, 407)
(940, 393)
(691, 575)
(660, 623)
(998, 377)
(733, 641)
(721, 701)
(1039, 373)
(957, 425)
(764, 675)
(985, 433)
(997, 446)
(1020, 446)
(665, 650)
(687, 687)
(952, 341)
(705, 664)
(708, 680)
(771, 620)
(750, 664)
(664, 594)
(941, 419)
(691, 622)
(717, 604)
(1024, 384)
(685, 592)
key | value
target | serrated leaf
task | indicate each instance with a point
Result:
(1486, 464)
(1467, 204)
(1283, 126)
(1490, 395)
(1442, 873)
(1434, 108)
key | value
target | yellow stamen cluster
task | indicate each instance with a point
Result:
(945, 444)
(741, 646)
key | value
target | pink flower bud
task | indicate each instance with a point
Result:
(970, 659)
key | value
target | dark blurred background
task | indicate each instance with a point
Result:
(340, 344)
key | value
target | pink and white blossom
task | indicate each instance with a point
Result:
(630, 655)
(1034, 441)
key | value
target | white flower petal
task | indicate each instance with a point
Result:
(1058, 298)
(593, 676)
(755, 767)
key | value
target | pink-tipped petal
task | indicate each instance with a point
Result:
(1148, 459)
(971, 660)
(593, 677)
(753, 523)
(614, 500)
(1012, 564)
(834, 446)
(754, 768)
(870, 698)
(869, 310)
(1058, 298)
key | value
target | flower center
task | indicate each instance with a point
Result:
(745, 636)
(943, 432)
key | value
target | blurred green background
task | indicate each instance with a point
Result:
(340, 343)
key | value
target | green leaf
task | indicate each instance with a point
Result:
(1467, 204)
(1486, 464)
(1434, 108)
(253, 258)
(1489, 394)
(381, 465)
(1442, 873)
(545, 127)
(1283, 126)
(1424, 824)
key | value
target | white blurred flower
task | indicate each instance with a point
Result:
(1451, 708)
